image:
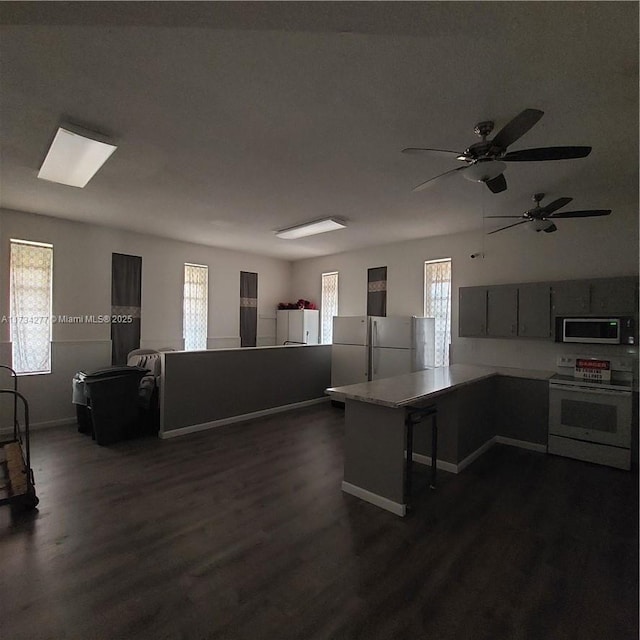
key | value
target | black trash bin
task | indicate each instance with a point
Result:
(111, 409)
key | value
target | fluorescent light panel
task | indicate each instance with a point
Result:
(311, 228)
(74, 159)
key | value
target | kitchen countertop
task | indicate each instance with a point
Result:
(407, 389)
(404, 390)
(514, 372)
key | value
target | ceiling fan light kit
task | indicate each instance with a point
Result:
(311, 228)
(540, 225)
(484, 170)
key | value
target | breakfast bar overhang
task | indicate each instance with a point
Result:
(379, 419)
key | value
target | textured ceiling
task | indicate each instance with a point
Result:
(236, 119)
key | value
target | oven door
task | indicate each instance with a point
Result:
(594, 415)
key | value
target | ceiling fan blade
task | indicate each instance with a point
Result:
(546, 153)
(428, 182)
(555, 205)
(497, 184)
(503, 217)
(418, 151)
(515, 224)
(517, 127)
(550, 229)
(590, 213)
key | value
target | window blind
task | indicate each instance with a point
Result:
(31, 267)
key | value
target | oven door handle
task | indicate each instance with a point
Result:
(609, 392)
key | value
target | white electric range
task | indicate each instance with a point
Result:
(590, 400)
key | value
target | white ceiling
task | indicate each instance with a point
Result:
(236, 119)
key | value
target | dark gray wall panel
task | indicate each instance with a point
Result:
(204, 386)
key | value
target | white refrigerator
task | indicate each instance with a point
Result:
(371, 347)
(297, 326)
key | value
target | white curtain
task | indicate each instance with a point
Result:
(437, 282)
(329, 305)
(195, 306)
(31, 267)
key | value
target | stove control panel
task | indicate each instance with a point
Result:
(615, 364)
(592, 369)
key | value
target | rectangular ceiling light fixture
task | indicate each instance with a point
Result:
(311, 228)
(73, 159)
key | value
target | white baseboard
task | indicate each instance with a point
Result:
(474, 455)
(204, 426)
(379, 501)
(47, 424)
(522, 444)
(440, 464)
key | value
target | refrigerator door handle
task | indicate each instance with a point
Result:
(374, 344)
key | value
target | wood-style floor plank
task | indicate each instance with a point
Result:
(242, 532)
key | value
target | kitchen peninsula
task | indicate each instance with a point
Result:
(463, 397)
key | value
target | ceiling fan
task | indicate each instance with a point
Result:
(542, 218)
(484, 160)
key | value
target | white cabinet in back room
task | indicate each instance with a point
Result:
(297, 326)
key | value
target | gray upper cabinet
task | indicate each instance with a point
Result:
(605, 296)
(528, 310)
(614, 296)
(570, 298)
(534, 310)
(472, 312)
(502, 311)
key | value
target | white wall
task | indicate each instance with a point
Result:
(583, 248)
(82, 286)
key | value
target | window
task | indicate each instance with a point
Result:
(329, 305)
(437, 304)
(30, 306)
(195, 305)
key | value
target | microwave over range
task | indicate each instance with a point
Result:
(596, 330)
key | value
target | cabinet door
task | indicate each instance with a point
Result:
(522, 409)
(502, 312)
(311, 326)
(282, 326)
(296, 326)
(570, 298)
(534, 310)
(472, 311)
(614, 296)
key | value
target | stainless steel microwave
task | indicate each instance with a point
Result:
(598, 330)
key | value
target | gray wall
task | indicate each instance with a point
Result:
(204, 386)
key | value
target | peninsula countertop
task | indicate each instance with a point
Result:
(410, 388)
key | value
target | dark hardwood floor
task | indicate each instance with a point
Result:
(242, 532)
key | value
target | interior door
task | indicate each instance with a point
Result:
(349, 364)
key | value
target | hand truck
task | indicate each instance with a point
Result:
(17, 486)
